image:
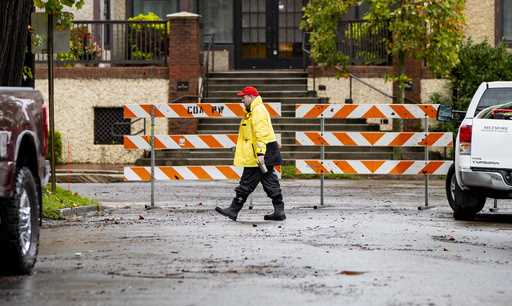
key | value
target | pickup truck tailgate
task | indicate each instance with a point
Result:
(491, 143)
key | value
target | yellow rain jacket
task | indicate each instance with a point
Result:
(254, 134)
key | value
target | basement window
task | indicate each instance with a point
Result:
(107, 127)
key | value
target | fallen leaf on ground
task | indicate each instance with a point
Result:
(352, 273)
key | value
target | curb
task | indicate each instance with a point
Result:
(78, 211)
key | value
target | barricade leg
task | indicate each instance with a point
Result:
(427, 187)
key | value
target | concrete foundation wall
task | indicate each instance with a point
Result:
(75, 100)
(339, 89)
(431, 86)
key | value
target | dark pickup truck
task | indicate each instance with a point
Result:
(23, 174)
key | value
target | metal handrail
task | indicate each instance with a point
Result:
(142, 131)
(351, 76)
(206, 70)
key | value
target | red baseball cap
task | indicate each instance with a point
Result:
(248, 91)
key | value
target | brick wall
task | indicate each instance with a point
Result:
(184, 65)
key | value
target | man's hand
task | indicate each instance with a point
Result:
(261, 159)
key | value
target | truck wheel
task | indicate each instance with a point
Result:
(464, 203)
(20, 220)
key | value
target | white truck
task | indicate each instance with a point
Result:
(483, 152)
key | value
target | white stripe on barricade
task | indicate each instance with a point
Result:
(166, 173)
(367, 111)
(375, 139)
(380, 167)
(194, 110)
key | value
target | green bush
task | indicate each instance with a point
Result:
(478, 63)
(58, 147)
(145, 39)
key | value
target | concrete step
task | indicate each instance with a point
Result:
(242, 82)
(282, 100)
(213, 88)
(259, 74)
(265, 94)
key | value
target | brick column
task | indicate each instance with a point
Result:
(413, 69)
(184, 65)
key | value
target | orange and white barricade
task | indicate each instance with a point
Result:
(375, 139)
(166, 173)
(378, 167)
(366, 111)
(424, 139)
(154, 142)
(176, 142)
(193, 110)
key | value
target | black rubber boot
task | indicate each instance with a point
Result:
(232, 211)
(278, 214)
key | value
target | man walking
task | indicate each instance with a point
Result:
(258, 152)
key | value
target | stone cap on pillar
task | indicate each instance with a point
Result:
(182, 15)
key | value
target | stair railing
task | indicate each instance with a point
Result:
(203, 92)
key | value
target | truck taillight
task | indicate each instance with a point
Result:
(465, 134)
(45, 130)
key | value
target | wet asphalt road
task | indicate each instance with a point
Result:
(369, 245)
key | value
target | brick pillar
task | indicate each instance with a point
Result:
(184, 65)
(413, 69)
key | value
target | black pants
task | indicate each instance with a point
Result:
(251, 177)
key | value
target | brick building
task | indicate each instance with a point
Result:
(249, 35)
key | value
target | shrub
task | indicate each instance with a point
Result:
(145, 39)
(58, 147)
(478, 63)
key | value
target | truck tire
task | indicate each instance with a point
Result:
(464, 203)
(20, 221)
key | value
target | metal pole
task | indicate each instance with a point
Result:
(426, 162)
(153, 157)
(350, 80)
(426, 206)
(51, 109)
(322, 157)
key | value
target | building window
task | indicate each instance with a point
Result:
(106, 127)
(506, 20)
(218, 19)
(160, 7)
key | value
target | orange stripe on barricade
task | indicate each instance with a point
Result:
(228, 172)
(431, 139)
(233, 137)
(401, 139)
(372, 165)
(317, 166)
(127, 113)
(271, 111)
(373, 112)
(200, 173)
(401, 111)
(180, 110)
(316, 138)
(431, 167)
(171, 173)
(316, 111)
(345, 167)
(211, 141)
(128, 144)
(344, 139)
(401, 167)
(372, 137)
(142, 173)
(429, 110)
(345, 111)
